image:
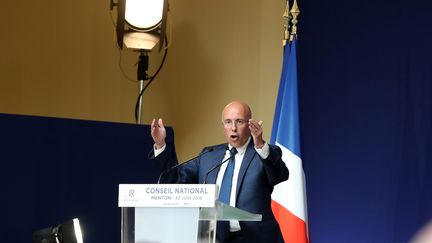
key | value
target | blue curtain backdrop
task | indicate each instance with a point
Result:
(365, 89)
(54, 170)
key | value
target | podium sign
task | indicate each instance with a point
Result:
(173, 213)
(166, 195)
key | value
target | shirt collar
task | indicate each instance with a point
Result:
(242, 149)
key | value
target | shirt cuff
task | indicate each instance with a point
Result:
(158, 151)
(264, 151)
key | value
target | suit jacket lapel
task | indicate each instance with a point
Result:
(247, 159)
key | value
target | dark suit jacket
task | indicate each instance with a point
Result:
(256, 180)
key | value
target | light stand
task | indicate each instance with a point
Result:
(143, 76)
(143, 63)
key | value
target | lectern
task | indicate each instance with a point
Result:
(173, 213)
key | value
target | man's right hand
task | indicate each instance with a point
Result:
(158, 133)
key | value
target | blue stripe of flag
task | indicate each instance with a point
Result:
(280, 93)
(286, 129)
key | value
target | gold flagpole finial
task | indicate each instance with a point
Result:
(294, 12)
(286, 17)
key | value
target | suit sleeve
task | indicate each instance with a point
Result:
(163, 162)
(274, 166)
(187, 173)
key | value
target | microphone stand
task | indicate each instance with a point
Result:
(206, 150)
(215, 167)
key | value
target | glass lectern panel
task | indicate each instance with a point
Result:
(177, 224)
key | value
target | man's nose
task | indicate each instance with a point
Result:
(234, 126)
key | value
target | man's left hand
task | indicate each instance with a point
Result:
(256, 132)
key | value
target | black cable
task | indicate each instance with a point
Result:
(150, 81)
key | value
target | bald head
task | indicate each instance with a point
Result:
(238, 106)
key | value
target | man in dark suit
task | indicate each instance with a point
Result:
(256, 168)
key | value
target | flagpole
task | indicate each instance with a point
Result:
(286, 16)
(295, 11)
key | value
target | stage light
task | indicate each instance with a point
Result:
(140, 24)
(67, 232)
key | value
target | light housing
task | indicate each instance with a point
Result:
(67, 232)
(141, 24)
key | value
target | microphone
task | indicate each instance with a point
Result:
(217, 166)
(187, 161)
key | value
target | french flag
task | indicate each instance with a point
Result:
(289, 198)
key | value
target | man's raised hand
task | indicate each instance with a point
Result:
(158, 132)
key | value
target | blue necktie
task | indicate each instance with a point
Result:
(222, 229)
(225, 190)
